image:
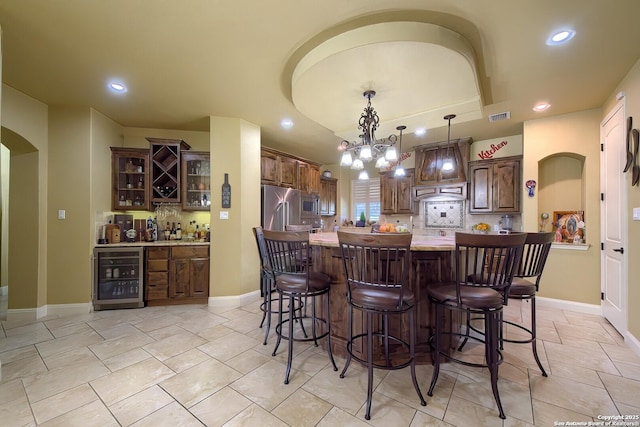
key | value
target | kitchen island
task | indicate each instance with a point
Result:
(431, 261)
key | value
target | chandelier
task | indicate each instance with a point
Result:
(369, 148)
(448, 163)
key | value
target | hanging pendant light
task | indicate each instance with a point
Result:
(399, 169)
(448, 163)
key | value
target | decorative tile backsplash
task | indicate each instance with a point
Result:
(444, 213)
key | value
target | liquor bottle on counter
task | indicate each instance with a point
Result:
(196, 235)
(154, 227)
(167, 232)
(179, 232)
(172, 235)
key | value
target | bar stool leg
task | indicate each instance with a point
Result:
(412, 354)
(533, 336)
(290, 346)
(491, 325)
(267, 310)
(333, 362)
(436, 352)
(367, 414)
(279, 325)
(349, 342)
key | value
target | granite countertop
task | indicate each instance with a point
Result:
(156, 243)
(418, 243)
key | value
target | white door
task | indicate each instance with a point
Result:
(613, 185)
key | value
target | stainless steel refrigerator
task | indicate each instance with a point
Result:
(280, 207)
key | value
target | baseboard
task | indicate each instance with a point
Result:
(580, 307)
(632, 342)
(233, 301)
(58, 310)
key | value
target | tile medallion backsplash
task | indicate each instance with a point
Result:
(444, 213)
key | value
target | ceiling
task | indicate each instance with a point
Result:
(264, 61)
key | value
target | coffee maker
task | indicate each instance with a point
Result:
(506, 223)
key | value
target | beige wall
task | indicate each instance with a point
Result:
(572, 275)
(28, 118)
(136, 137)
(630, 85)
(235, 149)
(68, 250)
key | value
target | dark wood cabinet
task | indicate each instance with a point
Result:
(177, 275)
(284, 170)
(396, 193)
(494, 186)
(165, 169)
(196, 181)
(129, 179)
(269, 168)
(429, 160)
(288, 172)
(328, 196)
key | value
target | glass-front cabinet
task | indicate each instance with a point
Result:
(130, 179)
(196, 181)
(118, 277)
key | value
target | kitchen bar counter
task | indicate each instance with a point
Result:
(431, 262)
(156, 243)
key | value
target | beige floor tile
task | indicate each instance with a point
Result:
(348, 393)
(199, 382)
(169, 331)
(265, 385)
(18, 353)
(174, 345)
(460, 411)
(140, 405)
(70, 342)
(14, 405)
(622, 390)
(73, 329)
(425, 420)
(61, 403)
(248, 361)
(169, 416)
(628, 371)
(130, 380)
(220, 407)
(576, 373)
(621, 353)
(590, 357)
(437, 404)
(546, 414)
(387, 412)
(121, 344)
(593, 332)
(26, 329)
(94, 414)
(23, 340)
(628, 409)
(126, 359)
(339, 417)
(197, 322)
(228, 346)
(186, 360)
(162, 320)
(23, 367)
(254, 415)
(572, 395)
(302, 409)
(214, 332)
(245, 323)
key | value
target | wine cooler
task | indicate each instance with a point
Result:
(118, 278)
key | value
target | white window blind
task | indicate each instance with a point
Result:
(365, 197)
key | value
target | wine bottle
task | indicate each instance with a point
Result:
(226, 192)
(173, 232)
(167, 232)
(154, 234)
(196, 235)
(179, 232)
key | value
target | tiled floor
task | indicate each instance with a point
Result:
(193, 365)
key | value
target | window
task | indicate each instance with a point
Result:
(365, 196)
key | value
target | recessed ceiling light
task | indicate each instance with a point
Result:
(560, 37)
(420, 131)
(286, 123)
(541, 107)
(117, 87)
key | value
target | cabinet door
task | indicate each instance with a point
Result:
(303, 177)
(165, 169)
(426, 167)
(196, 181)
(288, 172)
(328, 196)
(387, 193)
(333, 197)
(199, 277)
(130, 179)
(270, 168)
(314, 179)
(404, 200)
(481, 197)
(506, 186)
(179, 278)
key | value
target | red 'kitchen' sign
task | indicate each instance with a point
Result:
(488, 154)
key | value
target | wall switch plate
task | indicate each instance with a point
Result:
(224, 214)
(636, 214)
(62, 214)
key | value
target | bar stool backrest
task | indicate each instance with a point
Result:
(536, 249)
(489, 260)
(376, 261)
(262, 249)
(288, 252)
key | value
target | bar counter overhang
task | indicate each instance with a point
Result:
(431, 262)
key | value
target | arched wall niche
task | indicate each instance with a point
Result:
(562, 184)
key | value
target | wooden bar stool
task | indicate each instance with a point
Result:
(484, 268)
(376, 268)
(289, 254)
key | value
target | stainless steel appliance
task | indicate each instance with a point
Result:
(117, 277)
(280, 207)
(310, 210)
